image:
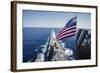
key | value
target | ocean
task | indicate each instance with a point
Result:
(34, 38)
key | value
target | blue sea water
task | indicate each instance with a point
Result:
(34, 38)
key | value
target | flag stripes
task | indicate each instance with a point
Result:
(66, 32)
(66, 29)
(68, 35)
(69, 30)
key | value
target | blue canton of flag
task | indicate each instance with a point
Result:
(69, 30)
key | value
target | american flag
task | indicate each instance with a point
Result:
(68, 30)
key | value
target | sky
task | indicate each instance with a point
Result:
(53, 19)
